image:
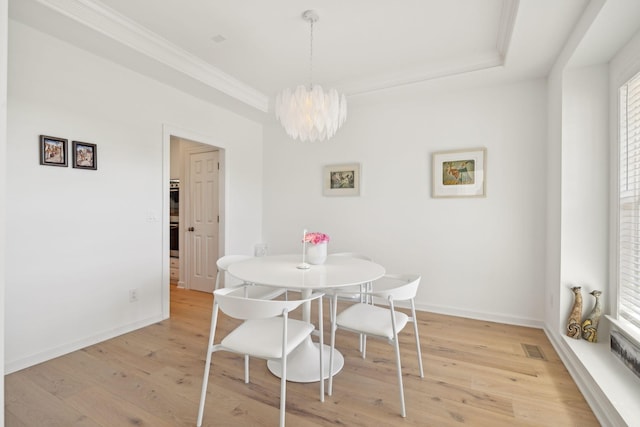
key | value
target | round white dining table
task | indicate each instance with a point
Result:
(282, 271)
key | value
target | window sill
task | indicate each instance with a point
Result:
(620, 386)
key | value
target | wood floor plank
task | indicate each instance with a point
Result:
(476, 374)
(108, 409)
(135, 385)
(53, 380)
(28, 404)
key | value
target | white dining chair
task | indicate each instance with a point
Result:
(267, 333)
(246, 289)
(351, 291)
(355, 293)
(380, 321)
(253, 291)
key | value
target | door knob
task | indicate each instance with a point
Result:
(191, 229)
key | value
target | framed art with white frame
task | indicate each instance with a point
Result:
(460, 173)
(341, 180)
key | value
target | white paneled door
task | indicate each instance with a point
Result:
(202, 226)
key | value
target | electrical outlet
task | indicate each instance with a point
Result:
(152, 216)
(133, 295)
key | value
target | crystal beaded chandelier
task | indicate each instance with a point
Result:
(310, 113)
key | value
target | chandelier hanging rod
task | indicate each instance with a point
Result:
(311, 17)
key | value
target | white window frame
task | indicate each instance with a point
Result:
(628, 328)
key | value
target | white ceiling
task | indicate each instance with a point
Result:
(360, 46)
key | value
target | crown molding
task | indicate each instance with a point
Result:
(432, 71)
(108, 22)
(507, 24)
(419, 75)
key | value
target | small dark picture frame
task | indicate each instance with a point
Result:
(85, 155)
(53, 151)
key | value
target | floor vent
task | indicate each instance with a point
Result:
(533, 351)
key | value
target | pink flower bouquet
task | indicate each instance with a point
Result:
(315, 238)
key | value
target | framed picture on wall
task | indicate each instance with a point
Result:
(460, 173)
(341, 180)
(85, 155)
(53, 151)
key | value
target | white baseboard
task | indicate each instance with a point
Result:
(477, 315)
(16, 365)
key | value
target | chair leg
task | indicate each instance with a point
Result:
(368, 299)
(207, 366)
(246, 369)
(283, 362)
(399, 365)
(283, 391)
(333, 326)
(396, 343)
(321, 346)
(203, 393)
(363, 298)
(364, 346)
(415, 330)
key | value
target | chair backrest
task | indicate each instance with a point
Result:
(352, 255)
(397, 286)
(224, 262)
(232, 302)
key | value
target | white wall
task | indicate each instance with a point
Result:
(80, 240)
(585, 185)
(3, 161)
(478, 257)
(553, 202)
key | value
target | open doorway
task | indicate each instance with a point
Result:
(195, 167)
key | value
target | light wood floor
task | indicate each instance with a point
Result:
(476, 374)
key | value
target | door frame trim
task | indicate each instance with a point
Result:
(168, 131)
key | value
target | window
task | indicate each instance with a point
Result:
(629, 205)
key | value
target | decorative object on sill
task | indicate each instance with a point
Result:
(625, 350)
(53, 151)
(316, 247)
(310, 113)
(590, 324)
(573, 324)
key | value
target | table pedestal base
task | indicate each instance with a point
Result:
(303, 363)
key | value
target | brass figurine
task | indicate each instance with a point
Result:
(590, 324)
(574, 328)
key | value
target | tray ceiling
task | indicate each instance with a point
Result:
(249, 50)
